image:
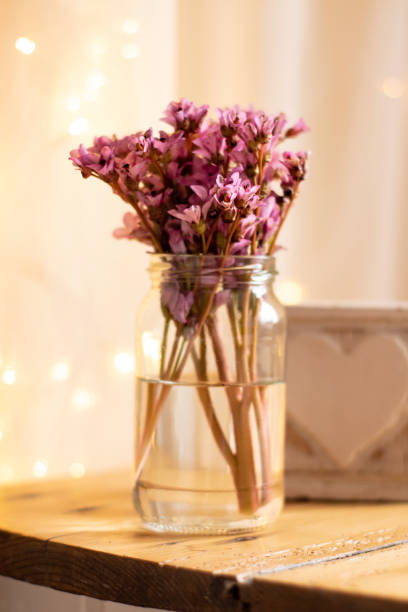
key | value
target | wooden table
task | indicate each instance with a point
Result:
(82, 536)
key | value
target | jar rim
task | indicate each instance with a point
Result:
(209, 256)
(206, 263)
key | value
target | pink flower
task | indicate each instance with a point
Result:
(184, 115)
(102, 163)
(295, 164)
(231, 120)
(211, 143)
(133, 229)
(177, 302)
(196, 188)
(189, 215)
(259, 127)
(299, 127)
(175, 237)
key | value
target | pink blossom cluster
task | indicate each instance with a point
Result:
(209, 186)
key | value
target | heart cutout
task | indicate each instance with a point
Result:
(346, 401)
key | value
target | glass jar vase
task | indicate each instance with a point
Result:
(210, 395)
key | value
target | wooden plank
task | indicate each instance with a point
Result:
(84, 537)
(375, 580)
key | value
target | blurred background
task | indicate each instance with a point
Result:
(69, 292)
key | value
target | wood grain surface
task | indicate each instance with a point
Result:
(83, 536)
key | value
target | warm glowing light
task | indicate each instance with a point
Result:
(130, 51)
(83, 400)
(25, 45)
(77, 470)
(73, 103)
(124, 362)
(6, 473)
(60, 371)
(289, 292)
(130, 26)
(95, 81)
(40, 468)
(393, 87)
(151, 347)
(98, 48)
(9, 376)
(1, 435)
(78, 126)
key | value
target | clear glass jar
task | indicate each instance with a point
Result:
(210, 395)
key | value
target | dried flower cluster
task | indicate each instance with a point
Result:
(210, 186)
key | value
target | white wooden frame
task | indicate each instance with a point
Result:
(347, 401)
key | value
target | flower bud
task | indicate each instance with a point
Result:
(200, 227)
(228, 215)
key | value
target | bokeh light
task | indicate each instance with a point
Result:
(25, 45)
(9, 376)
(130, 26)
(83, 400)
(40, 468)
(78, 126)
(96, 81)
(289, 292)
(60, 371)
(124, 362)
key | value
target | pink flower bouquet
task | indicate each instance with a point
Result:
(218, 189)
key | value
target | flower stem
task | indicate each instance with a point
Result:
(261, 412)
(282, 219)
(210, 414)
(154, 413)
(147, 225)
(163, 349)
(258, 210)
(235, 336)
(246, 477)
(211, 234)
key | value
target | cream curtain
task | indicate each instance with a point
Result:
(68, 291)
(343, 66)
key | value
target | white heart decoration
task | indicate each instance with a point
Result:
(346, 401)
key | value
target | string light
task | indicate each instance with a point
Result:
(40, 468)
(77, 470)
(25, 45)
(82, 400)
(130, 26)
(73, 103)
(130, 51)
(393, 87)
(9, 376)
(60, 371)
(78, 126)
(124, 362)
(95, 81)
(289, 292)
